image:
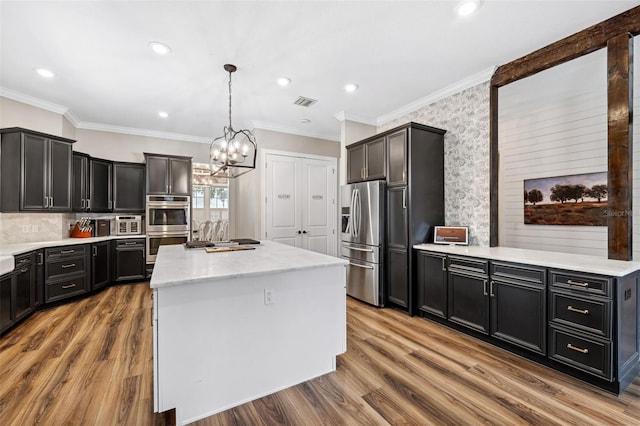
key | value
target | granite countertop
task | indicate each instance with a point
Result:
(580, 262)
(8, 251)
(176, 265)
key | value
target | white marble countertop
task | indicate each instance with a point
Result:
(177, 265)
(8, 251)
(579, 262)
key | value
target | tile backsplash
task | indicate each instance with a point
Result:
(32, 227)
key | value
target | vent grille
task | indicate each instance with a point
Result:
(304, 102)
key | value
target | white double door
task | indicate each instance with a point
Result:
(301, 202)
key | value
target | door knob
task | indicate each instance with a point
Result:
(299, 232)
(304, 232)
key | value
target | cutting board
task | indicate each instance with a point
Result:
(231, 248)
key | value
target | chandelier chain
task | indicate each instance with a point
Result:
(230, 126)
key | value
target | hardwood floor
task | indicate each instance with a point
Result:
(90, 363)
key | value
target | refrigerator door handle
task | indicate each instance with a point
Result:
(360, 266)
(359, 249)
(358, 213)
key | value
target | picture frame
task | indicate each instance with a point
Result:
(451, 235)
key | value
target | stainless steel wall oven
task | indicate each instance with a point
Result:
(168, 221)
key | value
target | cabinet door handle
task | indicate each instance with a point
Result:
(573, 348)
(23, 270)
(444, 268)
(69, 286)
(50, 201)
(88, 203)
(491, 289)
(166, 188)
(95, 251)
(70, 265)
(580, 311)
(46, 202)
(404, 198)
(110, 205)
(82, 204)
(571, 282)
(484, 287)
(67, 251)
(40, 259)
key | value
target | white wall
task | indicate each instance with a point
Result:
(245, 191)
(553, 123)
(18, 114)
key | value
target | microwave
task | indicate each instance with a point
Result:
(128, 225)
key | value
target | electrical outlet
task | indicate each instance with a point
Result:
(268, 296)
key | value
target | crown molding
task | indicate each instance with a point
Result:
(142, 132)
(294, 131)
(473, 80)
(347, 116)
(33, 101)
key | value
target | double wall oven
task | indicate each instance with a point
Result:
(168, 222)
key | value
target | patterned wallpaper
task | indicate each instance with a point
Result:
(465, 117)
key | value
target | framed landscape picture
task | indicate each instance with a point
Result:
(566, 200)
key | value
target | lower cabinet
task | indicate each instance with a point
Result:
(66, 272)
(24, 286)
(467, 292)
(431, 273)
(129, 260)
(397, 277)
(100, 264)
(6, 296)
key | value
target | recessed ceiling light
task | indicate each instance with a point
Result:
(43, 72)
(284, 81)
(467, 7)
(305, 121)
(350, 87)
(159, 48)
(163, 114)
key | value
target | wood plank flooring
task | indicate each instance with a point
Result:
(90, 363)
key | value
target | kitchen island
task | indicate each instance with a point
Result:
(232, 327)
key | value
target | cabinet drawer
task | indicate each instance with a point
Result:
(129, 243)
(520, 272)
(591, 315)
(587, 354)
(65, 266)
(66, 288)
(65, 251)
(469, 264)
(593, 284)
(23, 260)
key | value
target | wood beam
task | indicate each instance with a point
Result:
(620, 146)
(574, 46)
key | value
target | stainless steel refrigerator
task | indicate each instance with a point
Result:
(362, 207)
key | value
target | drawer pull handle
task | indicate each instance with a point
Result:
(583, 351)
(130, 244)
(484, 287)
(580, 311)
(444, 268)
(67, 251)
(571, 282)
(359, 249)
(71, 265)
(23, 270)
(69, 286)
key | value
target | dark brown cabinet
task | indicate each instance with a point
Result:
(100, 264)
(431, 277)
(366, 161)
(36, 171)
(66, 272)
(468, 293)
(6, 298)
(129, 259)
(415, 203)
(128, 187)
(25, 286)
(518, 296)
(168, 174)
(92, 189)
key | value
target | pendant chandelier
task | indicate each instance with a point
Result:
(234, 153)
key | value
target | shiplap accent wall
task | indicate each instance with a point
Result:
(636, 150)
(553, 123)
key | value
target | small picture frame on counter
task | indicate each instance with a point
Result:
(453, 235)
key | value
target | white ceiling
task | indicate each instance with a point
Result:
(397, 52)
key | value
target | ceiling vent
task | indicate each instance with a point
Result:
(304, 102)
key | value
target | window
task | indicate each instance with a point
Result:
(197, 197)
(219, 197)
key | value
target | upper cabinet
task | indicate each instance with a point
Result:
(397, 158)
(92, 184)
(168, 175)
(366, 161)
(128, 187)
(36, 171)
